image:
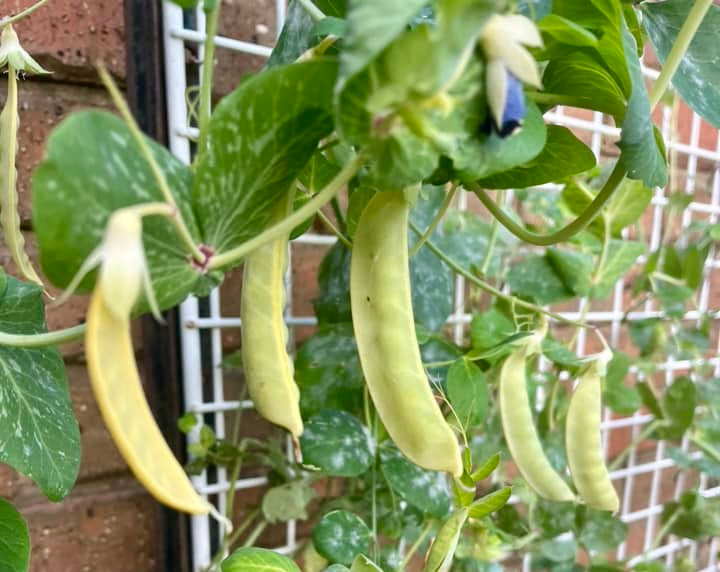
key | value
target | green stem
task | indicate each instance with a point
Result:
(492, 239)
(680, 47)
(211, 26)
(491, 289)
(567, 232)
(335, 230)
(706, 448)
(337, 211)
(158, 175)
(664, 530)
(436, 221)
(42, 340)
(644, 434)
(415, 546)
(313, 11)
(20, 15)
(290, 222)
(232, 539)
(255, 534)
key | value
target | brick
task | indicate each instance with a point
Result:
(111, 525)
(67, 37)
(248, 20)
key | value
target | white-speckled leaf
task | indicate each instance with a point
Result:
(92, 167)
(39, 435)
(698, 78)
(261, 137)
(337, 443)
(14, 540)
(425, 490)
(340, 536)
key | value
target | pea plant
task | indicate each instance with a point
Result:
(410, 449)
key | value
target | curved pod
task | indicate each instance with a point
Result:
(520, 433)
(266, 363)
(584, 444)
(119, 394)
(385, 333)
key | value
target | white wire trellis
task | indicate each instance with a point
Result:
(180, 32)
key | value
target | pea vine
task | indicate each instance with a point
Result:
(418, 444)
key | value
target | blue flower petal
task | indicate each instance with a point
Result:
(514, 111)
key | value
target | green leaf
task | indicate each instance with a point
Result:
(641, 146)
(14, 540)
(426, 490)
(694, 516)
(340, 536)
(678, 405)
(258, 560)
(649, 399)
(535, 9)
(337, 443)
(604, 18)
(559, 354)
(627, 205)
(575, 268)
(554, 518)
(490, 503)
(287, 502)
(363, 564)
(648, 335)
(534, 277)
(490, 328)
(582, 81)
(295, 36)
(332, 304)
(262, 136)
(698, 77)
(468, 393)
(92, 167)
(371, 26)
(562, 156)
(486, 468)
(600, 531)
(704, 464)
(336, 568)
(39, 435)
(559, 32)
(619, 397)
(488, 155)
(559, 549)
(442, 550)
(621, 255)
(327, 371)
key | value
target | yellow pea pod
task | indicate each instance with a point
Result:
(584, 444)
(9, 217)
(119, 394)
(385, 333)
(520, 433)
(268, 367)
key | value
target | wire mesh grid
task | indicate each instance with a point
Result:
(200, 360)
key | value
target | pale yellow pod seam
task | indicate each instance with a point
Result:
(269, 371)
(520, 433)
(9, 217)
(119, 394)
(387, 344)
(584, 444)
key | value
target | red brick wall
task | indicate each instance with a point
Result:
(108, 522)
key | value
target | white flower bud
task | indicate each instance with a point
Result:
(13, 55)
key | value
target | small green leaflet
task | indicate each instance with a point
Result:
(258, 560)
(641, 145)
(698, 78)
(92, 167)
(490, 503)
(468, 393)
(262, 136)
(14, 540)
(39, 435)
(287, 502)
